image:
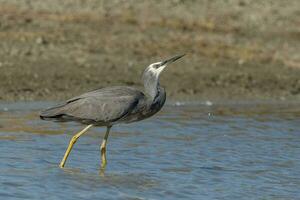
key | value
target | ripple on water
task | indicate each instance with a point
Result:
(244, 151)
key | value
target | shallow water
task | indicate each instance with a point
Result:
(195, 151)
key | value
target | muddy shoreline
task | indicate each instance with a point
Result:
(239, 50)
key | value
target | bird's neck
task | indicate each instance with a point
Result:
(152, 89)
(151, 84)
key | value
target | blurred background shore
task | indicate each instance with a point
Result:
(236, 49)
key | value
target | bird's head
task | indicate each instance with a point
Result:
(155, 69)
(151, 74)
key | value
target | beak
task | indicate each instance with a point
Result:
(170, 60)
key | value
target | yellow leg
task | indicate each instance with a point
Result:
(72, 142)
(103, 149)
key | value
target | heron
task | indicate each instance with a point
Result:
(112, 105)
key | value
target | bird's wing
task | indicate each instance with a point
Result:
(102, 105)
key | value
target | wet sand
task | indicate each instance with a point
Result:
(52, 50)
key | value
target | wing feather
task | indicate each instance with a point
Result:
(102, 105)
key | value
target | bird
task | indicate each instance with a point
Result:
(112, 105)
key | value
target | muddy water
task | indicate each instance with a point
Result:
(194, 151)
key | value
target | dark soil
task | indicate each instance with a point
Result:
(237, 49)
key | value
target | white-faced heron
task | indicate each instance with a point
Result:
(112, 105)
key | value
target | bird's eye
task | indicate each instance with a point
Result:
(156, 66)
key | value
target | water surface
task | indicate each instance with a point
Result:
(192, 151)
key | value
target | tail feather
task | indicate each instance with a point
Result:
(53, 112)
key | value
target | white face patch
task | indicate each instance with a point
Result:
(155, 69)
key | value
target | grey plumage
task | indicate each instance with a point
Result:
(107, 106)
(103, 107)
